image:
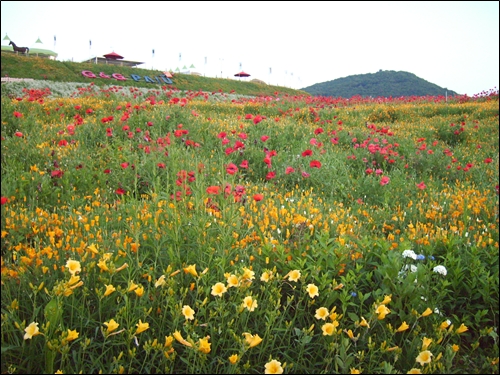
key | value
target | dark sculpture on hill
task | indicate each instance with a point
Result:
(25, 50)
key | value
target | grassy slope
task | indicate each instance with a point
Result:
(65, 71)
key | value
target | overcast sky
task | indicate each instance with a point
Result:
(453, 44)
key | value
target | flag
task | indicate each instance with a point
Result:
(54, 40)
(179, 57)
(153, 52)
(90, 43)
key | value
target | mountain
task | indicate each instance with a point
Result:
(384, 83)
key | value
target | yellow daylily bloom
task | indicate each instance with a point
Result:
(427, 312)
(191, 269)
(141, 327)
(177, 335)
(31, 330)
(403, 327)
(72, 335)
(252, 340)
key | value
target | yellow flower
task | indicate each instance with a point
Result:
(248, 274)
(455, 347)
(425, 343)
(112, 325)
(93, 248)
(293, 275)
(265, 277)
(109, 289)
(462, 329)
(31, 330)
(328, 329)
(312, 290)
(355, 371)
(364, 323)
(139, 291)
(73, 266)
(168, 341)
(102, 265)
(424, 357)
(141, 327)
(445, 325)
(219, 289)
(191, 269)
(252, 340)
(188, 312)
(249, 303)
(414, 371)
(204, 345)
(234, 358)
(351, 335)
(273, 367)
(72, 335)
(427, 312)
(382, 311)
(58, 372)
(133, 286)
(322, 313)
(160, 281)
(403, 327)
(177, 335)
(232, 281)
(386, 300)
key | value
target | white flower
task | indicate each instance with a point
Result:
(409, 254)
(440, 269)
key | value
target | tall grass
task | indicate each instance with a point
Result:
(170, 231)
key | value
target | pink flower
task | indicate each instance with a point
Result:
(289, 170)
(384, 180)
(231, 168)
(421, 185)
(264, 138)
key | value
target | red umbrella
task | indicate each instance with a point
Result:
(242, 74)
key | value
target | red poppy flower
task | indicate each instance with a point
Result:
(231, 168)
(4, 200)
(63, 142)
(318, 131)
(244, 164)
(107, 171)
(124, 165)
(488, 160)
(421, 185)
(305, 174)
(56, 173)
(18, 114)
(258, 197)
(289, 170)
(120, 191)
(248, 116)
(258, 119)
(89, 111)
(243, 135)
(270, 175)
(307, 153)
(213, 190)
(315, 164)
(222, 135)
(384, 180)
(161, 165)
(18, 134)
(264, 138)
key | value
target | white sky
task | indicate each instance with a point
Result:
(453, 44)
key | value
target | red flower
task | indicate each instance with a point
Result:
(213, 190)
(124, 165)
(307, 153)
(315, 164)
(488, 160)
(18, 134)
(318, 131)
(63, 142)
(244, 164)
(421, 185)
(305, 174)
(384, 180)
(161, 165)
(258, 197)
(222, 135)
(264, 138)
(56, 173)
(270, 175)
(89, 111)
(120, 191)
(369, 171)
(248, 116)
(258, 119)
(107, 171)
(231, 168)
(18, 114)
(4, 200)
(289, 170)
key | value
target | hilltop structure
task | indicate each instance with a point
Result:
(112, 58)
(37, 49)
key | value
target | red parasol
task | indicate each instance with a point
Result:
(242, 74)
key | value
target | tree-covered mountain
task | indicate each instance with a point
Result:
(384, 83)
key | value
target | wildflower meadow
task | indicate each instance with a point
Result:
(167, 231)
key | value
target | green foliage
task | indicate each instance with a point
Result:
(384, 83)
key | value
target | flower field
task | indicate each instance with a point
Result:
(167, 231)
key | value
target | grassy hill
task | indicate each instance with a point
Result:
(16, 66)
(384, 83)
